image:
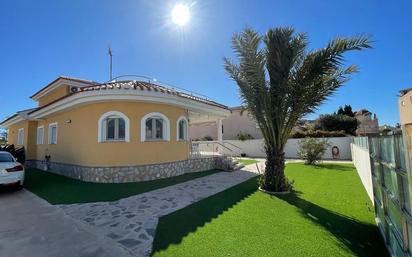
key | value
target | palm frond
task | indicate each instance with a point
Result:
(283, 81)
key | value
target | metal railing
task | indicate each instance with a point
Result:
(161, 84)
(208, 148)
(225, 142)
(391, 191)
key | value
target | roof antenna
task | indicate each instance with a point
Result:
(111, 59)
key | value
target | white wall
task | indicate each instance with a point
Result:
(201, 130)
(237, 122)
(255, 148)
(343, 143)
(361, 160)
(240, 122)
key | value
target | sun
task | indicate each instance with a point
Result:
(180, 14)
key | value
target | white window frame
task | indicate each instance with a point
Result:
(20, 137)
(50, 139)
(101, 126)
(40, 137)
(166, 127)
(185, 132)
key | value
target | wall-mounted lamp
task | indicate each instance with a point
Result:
(69, 121)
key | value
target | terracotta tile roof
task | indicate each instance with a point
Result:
(140, 85)
(362, 112)
(67, 78)
(135, 85)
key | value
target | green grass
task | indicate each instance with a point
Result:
(329, 214)
(247, 161)
(57, 189)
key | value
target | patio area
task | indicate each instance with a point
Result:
(127, 213)
(216, 213)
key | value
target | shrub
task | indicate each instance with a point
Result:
(244, 136)
(337, 122)
(206, 138)
(312, 149)
(317, 133)
(347, 110)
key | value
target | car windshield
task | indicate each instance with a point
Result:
(5, 157)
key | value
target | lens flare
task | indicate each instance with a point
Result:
(180, 14)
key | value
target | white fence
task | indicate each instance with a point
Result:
(255, 148)
(361, 160)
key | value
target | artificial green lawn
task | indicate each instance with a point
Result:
(247, 161)
(329, 215)
(57, 189)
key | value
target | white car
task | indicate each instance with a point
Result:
(11, 171)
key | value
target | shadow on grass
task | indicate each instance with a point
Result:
(362, 239)
(58, 189)
(173, 227)
(334, 166)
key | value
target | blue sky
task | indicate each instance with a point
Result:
(41, 40)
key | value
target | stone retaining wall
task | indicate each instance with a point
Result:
(130, 173)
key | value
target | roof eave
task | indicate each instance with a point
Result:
(79, 98)
(61, 79)
(403, 92)
(11, 121)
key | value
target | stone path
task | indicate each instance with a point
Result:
(131, 222)
(30, 226)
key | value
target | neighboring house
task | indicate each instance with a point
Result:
(238, 122)
(405, 111)
(111, 132)
(203, 130)
(304, 124)
(389, 130)
(3, 136)
(368, 123)
(405, 106)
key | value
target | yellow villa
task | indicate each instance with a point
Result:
(113, 132)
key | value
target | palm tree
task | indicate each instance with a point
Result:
(282, 82)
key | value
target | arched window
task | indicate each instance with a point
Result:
(155, 126)
(182, 126)
(113, 126)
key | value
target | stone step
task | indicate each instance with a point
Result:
(234, 162)
(238, 166)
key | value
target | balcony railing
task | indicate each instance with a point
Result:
(211, 148)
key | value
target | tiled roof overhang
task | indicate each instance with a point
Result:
(123, 90)
(49, 86)
(131, 90)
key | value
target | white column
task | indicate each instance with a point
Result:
(219, 127)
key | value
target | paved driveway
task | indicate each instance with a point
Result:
(29, 226)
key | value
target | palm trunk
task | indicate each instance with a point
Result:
(274, 178)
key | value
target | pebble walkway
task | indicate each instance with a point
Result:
(131, 222)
